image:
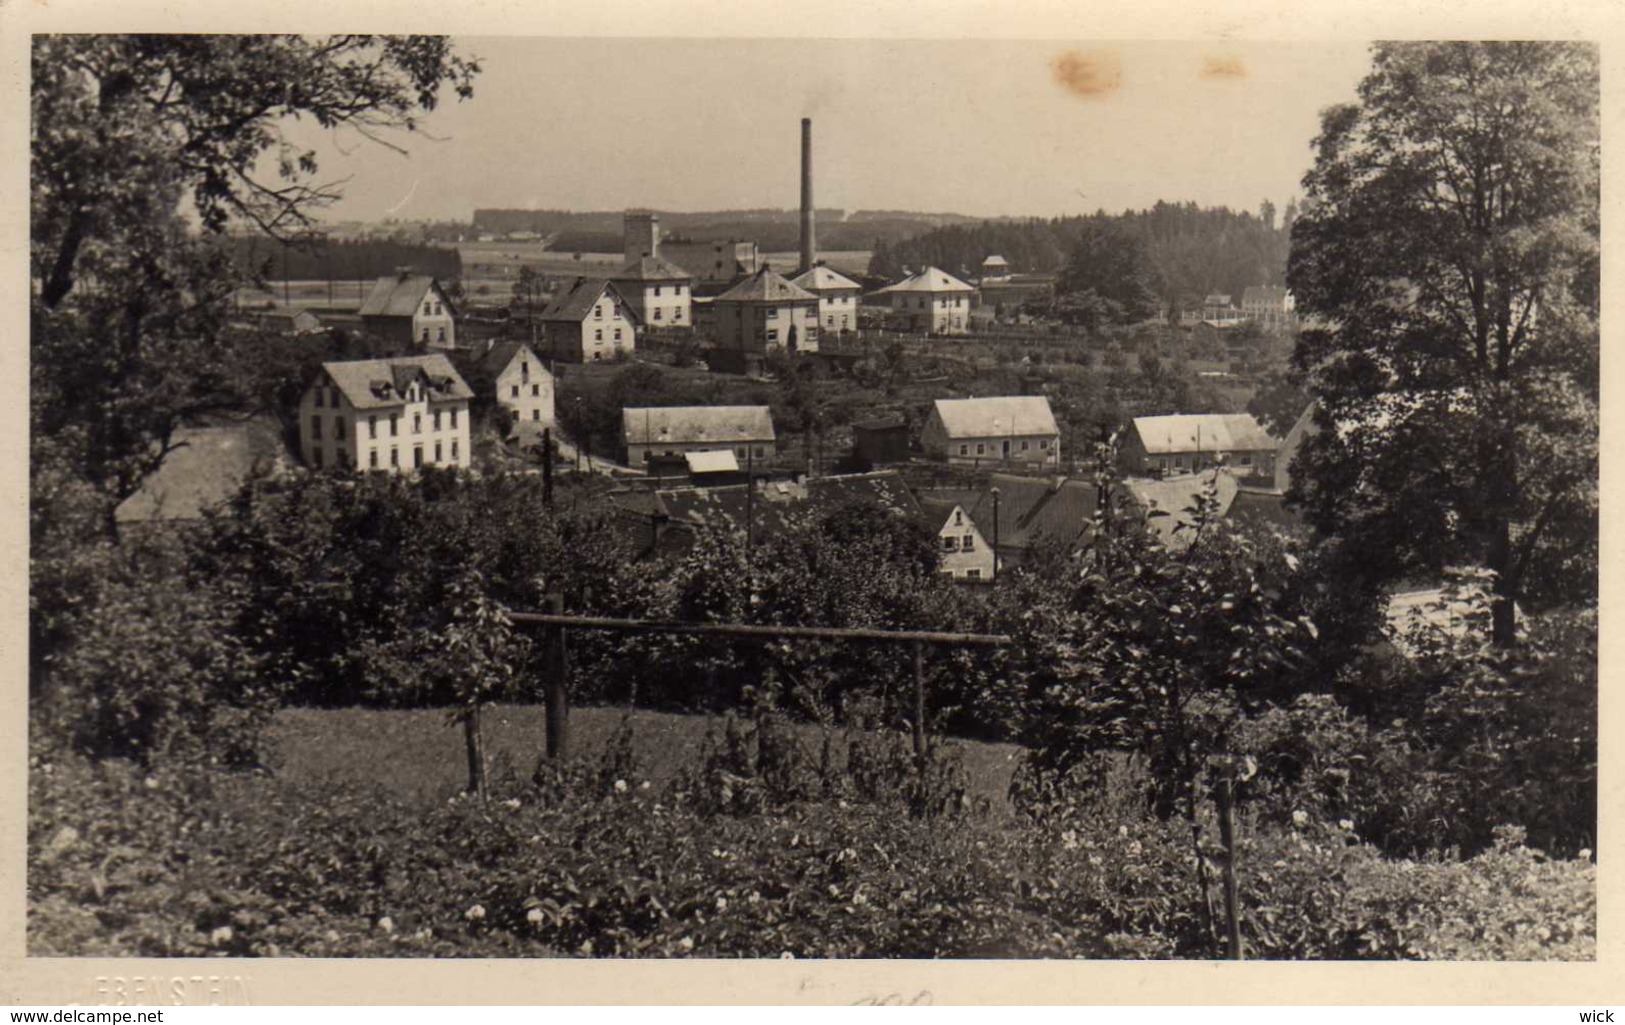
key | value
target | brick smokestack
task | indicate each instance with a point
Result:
(809, 243)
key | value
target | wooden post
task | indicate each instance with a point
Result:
(556, 695)
(1227, 835)
(547, 468)
(920, 739)
(476, 749)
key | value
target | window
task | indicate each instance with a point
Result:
(617, 334)
(1246, 460)
(338, 427)
(394, 424)
(442, 335)
(772, 334)
(454, 419)
(657, 313)
(646, 455)
(535, 414)
(417, 423)
(454, 450)
(829, 321)
(425, 338)
(761, 453)
(372, 459)
(515, 392)
(598, 312)
(438, 309)
(417, 456)
(437, 419)
(394, 456)
(973, 574)
(959, 517)
(372, 428)
(677, 314)
(1043, 443)
(969, 542)
(657, 291)
(772, 313)
(437, 451)
(1024, 444)
(321, 397)
(334, 395)
(981, 449)
(964, 450)
(949, 544)
(598, 335)
(428, 307)
(742, 453)
(536, 389)
(524, 371)
(316, 428)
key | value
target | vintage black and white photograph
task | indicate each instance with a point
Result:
(506, 496)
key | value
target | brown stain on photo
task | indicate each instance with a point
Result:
(1090, 73)
(1224, 69)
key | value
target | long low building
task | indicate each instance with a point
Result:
(746, 431)
(1008, 430)
(1183, 443)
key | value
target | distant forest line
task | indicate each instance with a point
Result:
(342, 261)
(1191, 250)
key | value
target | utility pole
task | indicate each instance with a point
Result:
(995, 534)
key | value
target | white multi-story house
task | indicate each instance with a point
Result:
(765, 312)
(391, 415)
(410, 308)
(523, 385)
(659, 291)
(589, 320)
(1013, 429)
(933, 302)
(1269, 305)
(837, 298)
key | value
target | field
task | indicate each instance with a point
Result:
(414, 755)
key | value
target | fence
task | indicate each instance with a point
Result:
(555, 692)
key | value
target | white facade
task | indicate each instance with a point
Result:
(526, 387)
(964, 552)
(418, 431)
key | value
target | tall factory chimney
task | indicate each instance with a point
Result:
(809, 243)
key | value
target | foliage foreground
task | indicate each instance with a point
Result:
(754, 849)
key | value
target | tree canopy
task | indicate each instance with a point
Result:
(1450, 244)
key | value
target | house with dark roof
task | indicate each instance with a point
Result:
(1014, 513)
(589, 320)
(1006, 430)
(411, 309)
(288, 321)
(524, 385)
(765, 312)
(714, 264)
(932, 301)
(837, 298)
(659, 292)
(1181, 443)
(746, 431)
(391, 415)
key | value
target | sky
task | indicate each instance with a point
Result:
(977, 127)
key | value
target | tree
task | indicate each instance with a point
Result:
(1450, 236)
(124, 126)
(139, 141)
(1110, 261)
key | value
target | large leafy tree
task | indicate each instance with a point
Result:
(144, 150)
(1108, 277)
(1450, 243)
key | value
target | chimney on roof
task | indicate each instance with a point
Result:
(809, 245)
(402, 273)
